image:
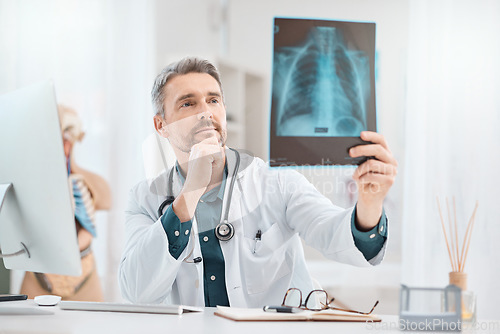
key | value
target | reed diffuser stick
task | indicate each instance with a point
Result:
(455, 261)
(473, 220)
(465, 238)
(444, 232)
(456, 233)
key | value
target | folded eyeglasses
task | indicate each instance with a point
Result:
(316, 300)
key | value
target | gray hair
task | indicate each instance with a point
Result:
(183, 66)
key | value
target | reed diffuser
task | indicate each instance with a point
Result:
(458, 256)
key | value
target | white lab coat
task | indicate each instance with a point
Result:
(279, 202)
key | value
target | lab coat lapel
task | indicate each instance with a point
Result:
(191, 297)
(230, 249)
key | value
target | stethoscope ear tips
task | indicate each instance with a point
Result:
(224, 231)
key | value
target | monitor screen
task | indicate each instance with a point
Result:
(37, 213)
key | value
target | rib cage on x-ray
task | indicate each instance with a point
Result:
(321, 87)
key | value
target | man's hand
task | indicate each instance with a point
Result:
(205, 160)
(374, 178)
(205, 157)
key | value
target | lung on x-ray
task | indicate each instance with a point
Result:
(323, 92)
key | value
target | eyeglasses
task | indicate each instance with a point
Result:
(317, 300)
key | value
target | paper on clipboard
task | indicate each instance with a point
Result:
(258, 314)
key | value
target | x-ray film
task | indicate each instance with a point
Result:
(323, 90)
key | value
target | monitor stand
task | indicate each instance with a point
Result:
(8, 309)
(4, 188)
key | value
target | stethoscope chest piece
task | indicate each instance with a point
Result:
(224, 231)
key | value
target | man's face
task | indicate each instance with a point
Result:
(194, 110)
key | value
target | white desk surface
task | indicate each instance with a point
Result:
(63, 321)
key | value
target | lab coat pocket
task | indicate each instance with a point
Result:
(267, 264)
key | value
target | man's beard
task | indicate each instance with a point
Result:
(191, 141)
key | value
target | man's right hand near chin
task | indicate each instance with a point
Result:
(206, 162)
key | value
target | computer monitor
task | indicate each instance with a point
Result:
(37, 223)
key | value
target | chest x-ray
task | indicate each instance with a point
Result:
(323, 90)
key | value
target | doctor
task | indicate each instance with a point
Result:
(221, 227)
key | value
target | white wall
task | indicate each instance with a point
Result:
(453, 140)
(185, 28)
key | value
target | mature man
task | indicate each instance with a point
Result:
(231, 236)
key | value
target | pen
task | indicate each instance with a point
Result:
(257, 238)
(281, 309)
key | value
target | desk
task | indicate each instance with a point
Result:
(113, 322)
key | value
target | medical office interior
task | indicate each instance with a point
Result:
(437, 83)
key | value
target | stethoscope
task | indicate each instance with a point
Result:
(224, 231)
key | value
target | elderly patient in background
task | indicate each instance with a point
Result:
(90, 193)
